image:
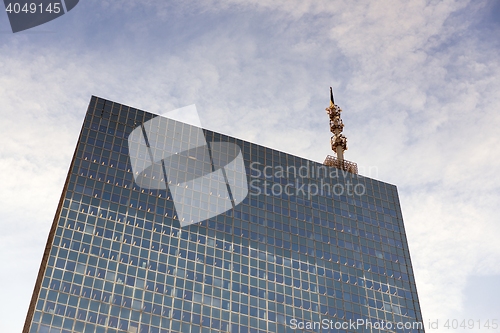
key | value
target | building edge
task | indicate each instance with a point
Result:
(409, 267)
(50, 239)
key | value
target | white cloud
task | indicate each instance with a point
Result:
(417, 85)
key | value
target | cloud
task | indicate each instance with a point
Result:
(417, 80)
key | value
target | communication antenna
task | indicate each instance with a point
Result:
(338, 140)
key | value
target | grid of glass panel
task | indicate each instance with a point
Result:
(120, 263)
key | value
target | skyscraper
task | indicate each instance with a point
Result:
(165, 227)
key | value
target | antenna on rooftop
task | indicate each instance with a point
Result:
(338, 140)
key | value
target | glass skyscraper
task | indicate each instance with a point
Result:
(217, 235)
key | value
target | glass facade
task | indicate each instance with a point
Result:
(309, 249)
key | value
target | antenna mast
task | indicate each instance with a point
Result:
(338, 140)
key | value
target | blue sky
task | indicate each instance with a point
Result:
(418, 82)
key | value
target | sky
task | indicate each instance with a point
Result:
(418, 81)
